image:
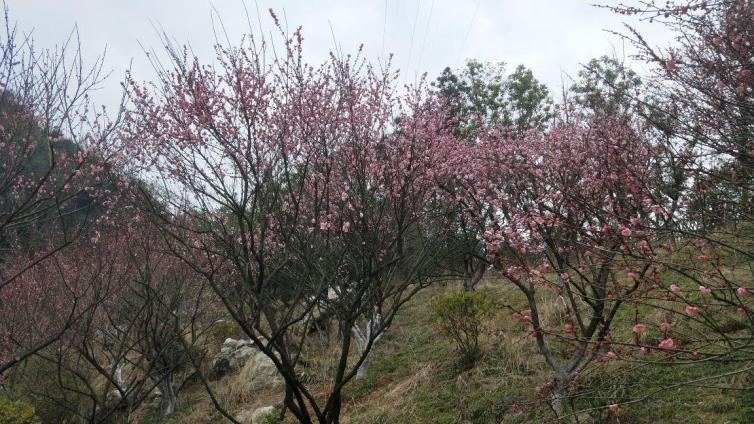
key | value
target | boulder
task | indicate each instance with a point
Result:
(112, 397)
(256, 416)
(233, 355)
(320, 320)
(244, 417)
(261, 372)
(155, 394)
(259, 414)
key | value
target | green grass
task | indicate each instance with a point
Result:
(414, 379)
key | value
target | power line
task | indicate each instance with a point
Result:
(426, 30)
(466, 38)
(384, 29)
(413, 31)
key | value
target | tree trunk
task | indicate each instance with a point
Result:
(332, 416)
(559, 397)
(294, 402)
(363, 370)
(171, 399)
(363, 337)
(119, 376)
(472, 279)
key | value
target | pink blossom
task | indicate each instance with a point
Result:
(639, 328)
(613, 407)
(666, 344)
(692, 310)
(644, 245)
(741, 89)
(742, 291)
(675, 289)
(705, 290)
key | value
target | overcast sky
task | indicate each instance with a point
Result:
(551, 37)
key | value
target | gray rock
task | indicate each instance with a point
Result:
(233, 355)
(244, 417)
(112, 397)
(262, 372)
(260, 414)
(255, 416)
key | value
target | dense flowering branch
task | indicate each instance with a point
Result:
(283, 183)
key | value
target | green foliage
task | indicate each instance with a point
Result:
(17, 412)
(718, 197)
(606, 86)
(529, 103)
(55, 394)
(223, 329)
(477, 89)
(273, 419)
(482, 93)
(461, 315)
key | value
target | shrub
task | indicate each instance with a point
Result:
(223, 329)
(17, 412)
(461, 315)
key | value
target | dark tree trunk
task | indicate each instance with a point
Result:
(475, 272)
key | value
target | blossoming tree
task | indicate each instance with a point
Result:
(291, 188)
(53, 183)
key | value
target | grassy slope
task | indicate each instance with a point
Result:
(414, 379)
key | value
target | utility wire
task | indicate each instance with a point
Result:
(466, 38)
(426, 30)
(413, 31)
(384, 30)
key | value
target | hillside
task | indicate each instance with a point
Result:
(415, 378)
(281, 231)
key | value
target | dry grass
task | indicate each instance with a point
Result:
(414, 377)
(518, 354)
(553, 312)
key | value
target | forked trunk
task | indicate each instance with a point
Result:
(363, 370)
(473, 278)
(363, 337)
(171, 399)
(559, 398)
